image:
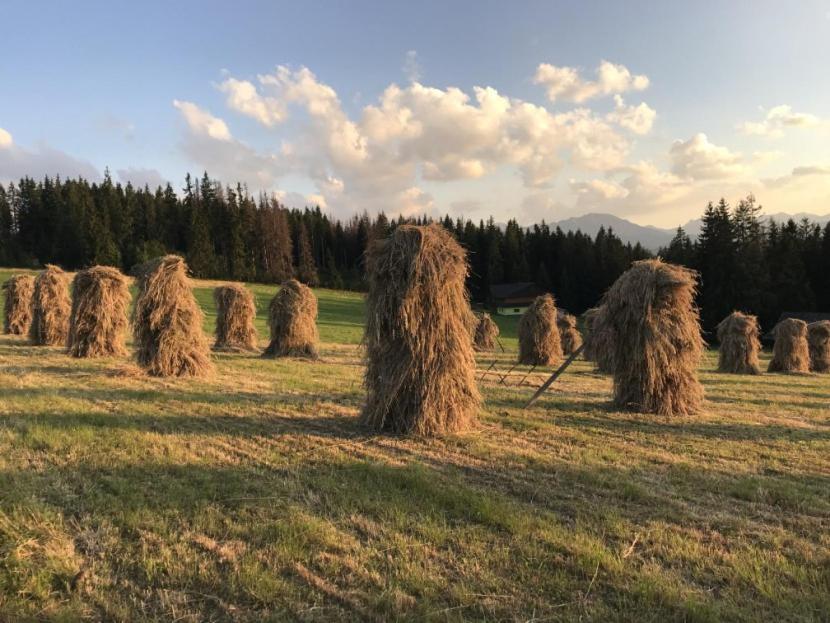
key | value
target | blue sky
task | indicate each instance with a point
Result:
(693, 101)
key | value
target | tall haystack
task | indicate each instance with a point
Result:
(292, 319)
(235, 313)
(420, 373)
(167, 322)
(486, 332)
(568, 333)
(657, 345)
(100, 303)
(791, 352)
(740, 343)
(51, 307)
(17, 307)
(539, 341)
(599, 339)
(818, 340)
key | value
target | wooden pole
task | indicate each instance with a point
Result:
(555, 375)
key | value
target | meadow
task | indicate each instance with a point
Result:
(256, 495)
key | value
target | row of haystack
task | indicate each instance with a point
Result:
(167, 320)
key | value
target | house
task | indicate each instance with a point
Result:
(512, 299)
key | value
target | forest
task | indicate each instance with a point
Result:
(226, 232)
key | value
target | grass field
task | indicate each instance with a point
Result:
(256, 495)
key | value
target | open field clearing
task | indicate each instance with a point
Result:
(256, 495)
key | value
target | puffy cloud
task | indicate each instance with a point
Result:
(203, 123)
(5, 139)
(244, 98)
(564, 83)
(797, 174)
(419, 132)
(638, 119)
(598, 189)
(141, 177)
(697, 158)
(777, 119)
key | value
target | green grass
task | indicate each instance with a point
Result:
(256, 495)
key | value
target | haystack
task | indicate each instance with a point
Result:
(51, 307)
(791, 352)
(599, 340)
(292, 318)
(235, 313)
(740, 343)
(657, 345)
(420, 373)
(568, 333)
(18, 292)
(486, 332)
(539, 341)
(818, 340)
(167, 322)
(100, 303)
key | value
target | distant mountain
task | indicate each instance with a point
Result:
(653, 238)
(650, 237)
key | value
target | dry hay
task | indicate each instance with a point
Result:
(599, 340)
(539, 341)
(420, 373)
(292, 319)
(167, 322)
(657, 345)
(17, 308)
(51, 307)
(100, 303)
(740, 343)
(235, 313)
(818, 340)
(791, 352)
(486, 332)
(569, 335)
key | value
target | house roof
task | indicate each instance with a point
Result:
(520, 289)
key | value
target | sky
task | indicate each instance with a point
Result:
(527, 110)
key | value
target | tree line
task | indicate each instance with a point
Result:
(226, 232)
(755, 265)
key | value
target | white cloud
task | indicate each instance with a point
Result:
(797, 175)
(5, 139)
(17, 161)
(638, 119)
(202, 122)
(777, 119)
(141, 177)
(697, 158)
(598, 189)
(244, 98)
(564, 83)
(411, 67)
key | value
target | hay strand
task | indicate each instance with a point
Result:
(740, 343)
(818, 340)
(569, 335)
(791, 353)
(486, 333)
(539, 340)
(167, 322)
(420, 373)
(18, 292)
(292, 319)
(599, 340)
(657, 345)
(235, 313)
(51, 307)
(100, 303)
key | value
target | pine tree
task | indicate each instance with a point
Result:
(306, 268)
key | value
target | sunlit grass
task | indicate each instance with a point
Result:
(255, 495)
